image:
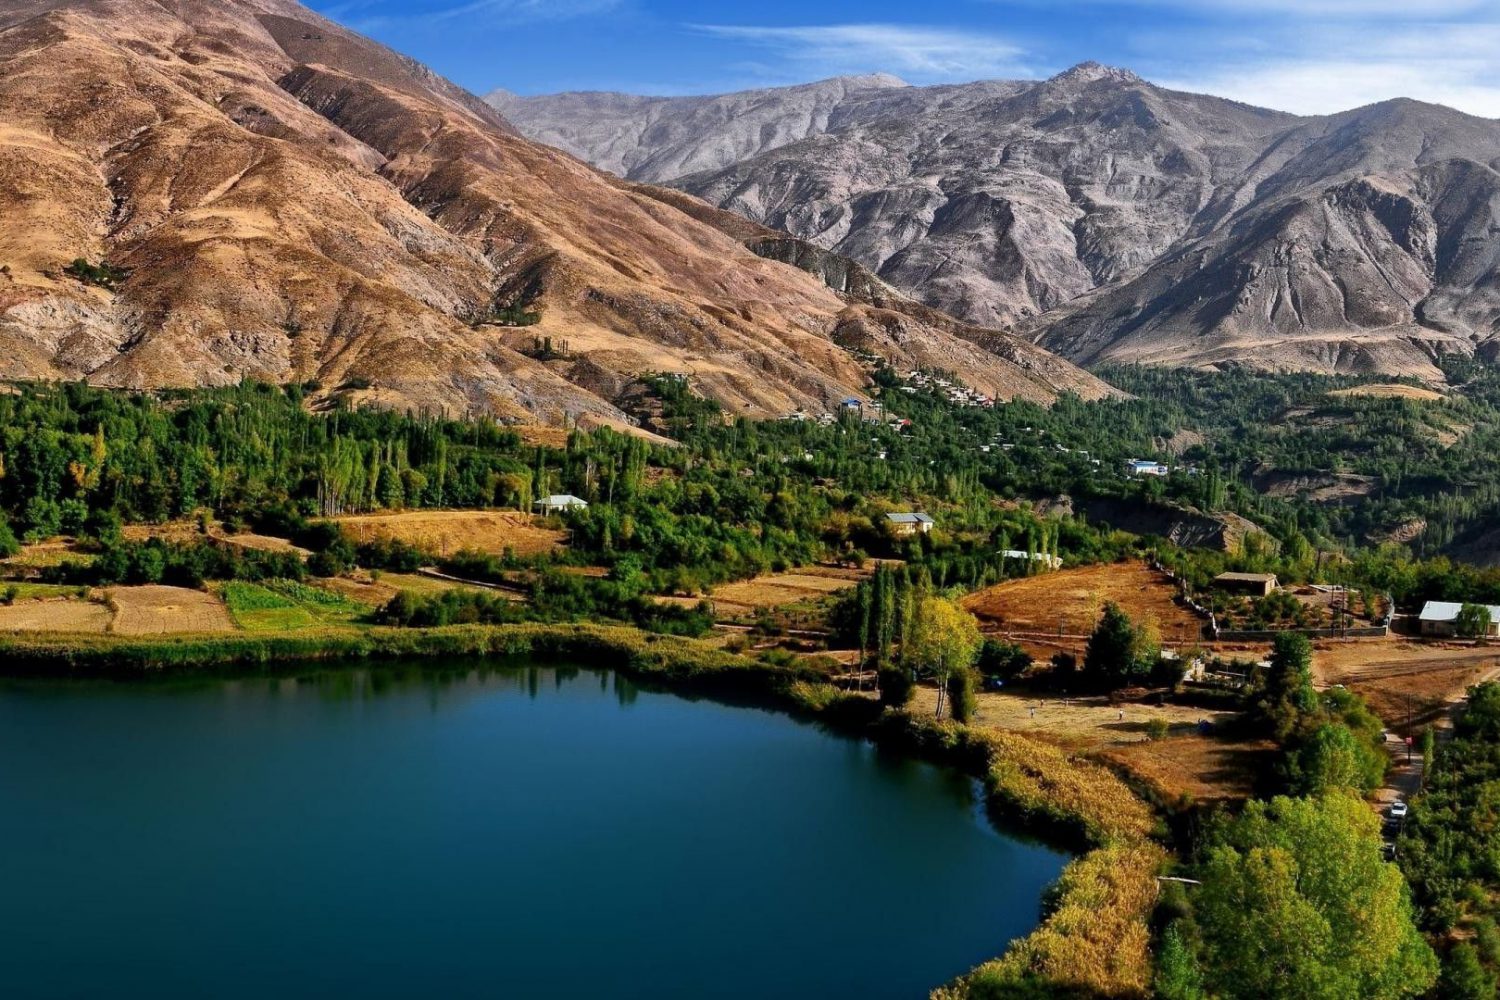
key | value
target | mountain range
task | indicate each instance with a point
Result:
(1099, 215)
(200, 191)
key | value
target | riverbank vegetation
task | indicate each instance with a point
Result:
(1312, 478)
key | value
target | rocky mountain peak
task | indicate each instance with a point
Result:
(1086, 73)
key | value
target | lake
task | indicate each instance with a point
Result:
(525, 832)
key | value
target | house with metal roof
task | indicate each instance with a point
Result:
(910, 522)
(559, 502)
(1439, 619)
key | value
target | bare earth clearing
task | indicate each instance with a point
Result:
(444, 532)
(1404, 680)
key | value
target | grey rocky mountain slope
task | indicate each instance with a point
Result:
(1113, 220)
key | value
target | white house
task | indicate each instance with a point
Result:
(559, 502)
(1052, 562)
(909, 523)
(1440, 618)
(1139, 467)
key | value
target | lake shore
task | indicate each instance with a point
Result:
(1095, 937)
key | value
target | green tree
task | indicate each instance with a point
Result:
(1118, 653)
(1297, 903)
(962, 699)
(9, 546)
(1288, 694)
(1335, 758)
(1178, 976)
(1464, 976)
(1473, 621)
(943, 639)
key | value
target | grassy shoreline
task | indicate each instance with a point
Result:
(1094, 938)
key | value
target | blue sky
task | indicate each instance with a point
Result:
(1309, 56)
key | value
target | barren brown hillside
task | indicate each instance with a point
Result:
(259, 192)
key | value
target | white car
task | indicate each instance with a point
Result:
(1398, 810)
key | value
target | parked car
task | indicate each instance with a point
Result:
(1398, 810)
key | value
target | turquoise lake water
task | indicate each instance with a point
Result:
(526, 832)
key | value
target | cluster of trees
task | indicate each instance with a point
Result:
(1449, 849)
(1293, 900)
(905, 631)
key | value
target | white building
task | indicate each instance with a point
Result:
(559, 502)
(1138, 467)
(1440, 618)
(909, 523)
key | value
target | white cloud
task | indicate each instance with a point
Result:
(922, 54)
(1314, 71)
(1313, 9)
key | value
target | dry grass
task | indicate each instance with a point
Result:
(188, 533)
(44, 555)
(54, 616)
(778, 589)
(155, 610)
(1403, 680)
(1197, 767)
(1078, 723)
(1072, 599)
(1097, 943)
(1390, 391)
(444, 532)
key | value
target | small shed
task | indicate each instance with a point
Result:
(1440, 619)
(1252, 584)
(910, 522)
(559, 502)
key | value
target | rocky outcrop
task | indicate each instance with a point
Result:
(1111, 220)
(258, 192)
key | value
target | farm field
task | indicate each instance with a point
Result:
(1402, 679)
(778, 589)
(157, 610)
(445, 532)
(55, 615)
(1069, 601)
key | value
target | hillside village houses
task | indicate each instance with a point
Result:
(1439, 619)
(1142, 467)
(909, 522)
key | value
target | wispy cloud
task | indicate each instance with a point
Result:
(921, 54)
(369, 15)
(1326, 9)
(1313, 69)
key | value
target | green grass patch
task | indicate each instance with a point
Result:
(255, 608)
(12, 592)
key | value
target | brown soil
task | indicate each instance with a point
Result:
(54, 616)
(1408, 684)
(157, 610)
